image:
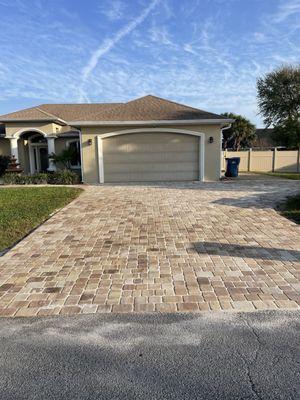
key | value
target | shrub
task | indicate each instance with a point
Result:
(39, 179)
(23, 179)
(4, 161)
(11, 178)
(63, 177)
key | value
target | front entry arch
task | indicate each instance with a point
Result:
(150, 154)
(32, 148)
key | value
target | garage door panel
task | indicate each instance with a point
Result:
(147, 167)
(143, 140)
(139, 176)
(151, 157)
(148, 147)
(115, 158)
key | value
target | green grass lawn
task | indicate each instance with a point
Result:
(287, 175)
(22, 209)
(291, 208)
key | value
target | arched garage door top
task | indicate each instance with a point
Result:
(163, 131)
(145, 130)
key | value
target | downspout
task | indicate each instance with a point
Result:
(81, 154)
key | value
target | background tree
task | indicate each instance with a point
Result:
(278, 94)
(241, 133)
(287, 134)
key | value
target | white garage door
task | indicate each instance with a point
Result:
(158, 156)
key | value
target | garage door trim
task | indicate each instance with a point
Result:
(149, 130)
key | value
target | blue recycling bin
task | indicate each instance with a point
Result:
(232, 167)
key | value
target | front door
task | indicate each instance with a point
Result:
(41, 162)
(44, 164)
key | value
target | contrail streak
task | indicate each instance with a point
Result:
(108, 44)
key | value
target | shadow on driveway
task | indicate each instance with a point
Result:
(236, 250)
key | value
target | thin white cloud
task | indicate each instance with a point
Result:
(286, 10)
(113, 10)
(160, 34)
(192, 59)
(109, 44)
(189, 49)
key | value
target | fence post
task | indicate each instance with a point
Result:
(249, 159)
(298, 160)
(274, 159)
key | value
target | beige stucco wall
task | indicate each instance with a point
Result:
(24, 156)
(212, 162)
(11, 128)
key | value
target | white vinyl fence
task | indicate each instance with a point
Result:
(265, 160)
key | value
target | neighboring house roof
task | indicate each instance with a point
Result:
(263, 138)
(147, 108)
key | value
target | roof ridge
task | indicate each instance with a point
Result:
(173, 102)
(180, 104)
(48, 114)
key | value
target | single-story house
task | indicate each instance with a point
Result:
(146, 139)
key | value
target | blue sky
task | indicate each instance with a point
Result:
(205, 53)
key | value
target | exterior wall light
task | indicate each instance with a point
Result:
(211, 140)
(90, 141)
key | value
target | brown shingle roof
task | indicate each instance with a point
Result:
(28, 114)
(75, 112)
(151, 108)
(147, 108)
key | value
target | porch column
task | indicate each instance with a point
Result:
(51, 150)
(14, 148)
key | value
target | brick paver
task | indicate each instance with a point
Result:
(164, 247)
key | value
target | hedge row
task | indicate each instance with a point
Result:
(63, 177)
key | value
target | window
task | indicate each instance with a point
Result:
(75, 146)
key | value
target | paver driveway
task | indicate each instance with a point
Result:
(164, 247)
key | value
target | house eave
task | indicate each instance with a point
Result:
(153, 122)
(24, 121)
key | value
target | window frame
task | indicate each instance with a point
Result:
(76, 140)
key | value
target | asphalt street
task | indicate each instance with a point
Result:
(151, 356)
